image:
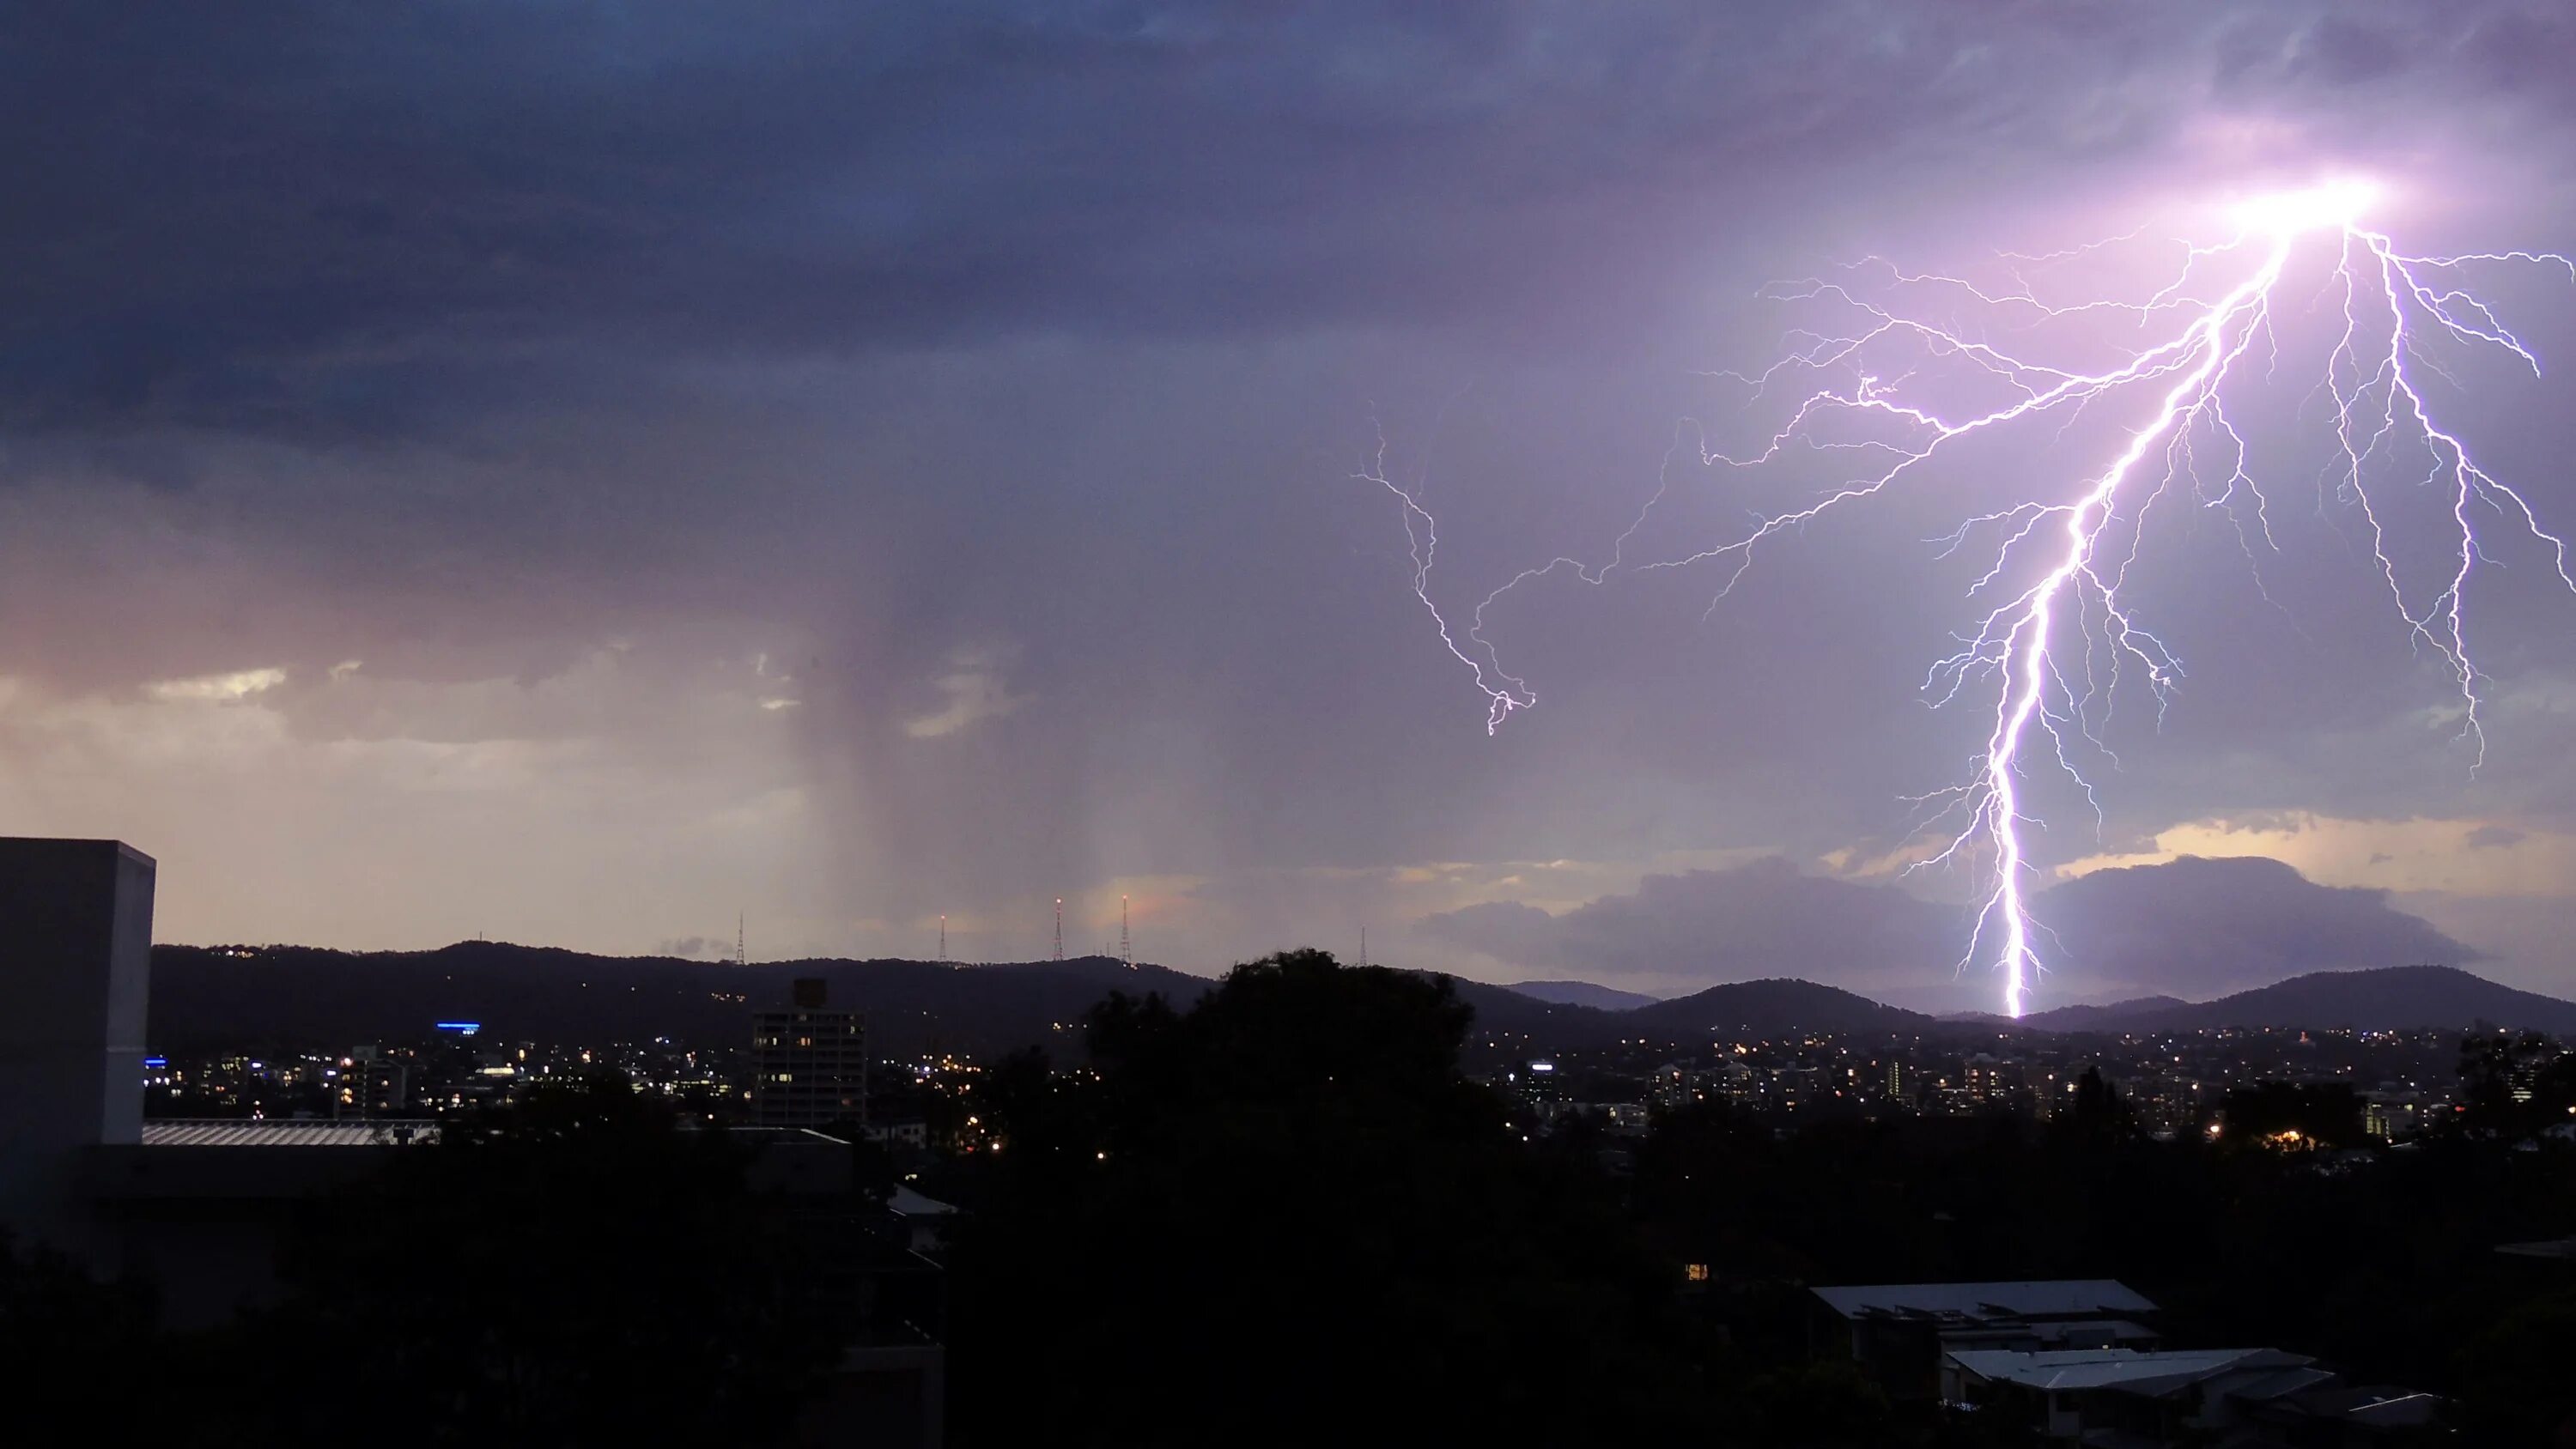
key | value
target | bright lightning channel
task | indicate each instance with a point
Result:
(2389, 302)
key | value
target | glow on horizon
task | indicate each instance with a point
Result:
(2388, 298)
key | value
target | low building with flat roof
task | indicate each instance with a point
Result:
(1897, 1332)
(2247, 1398)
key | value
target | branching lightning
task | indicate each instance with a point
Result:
(2084, 543)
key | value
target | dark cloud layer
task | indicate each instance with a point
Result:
(2206, 926)
(860, 463)
(1759, 920)
(2193, 926)
(296, 216)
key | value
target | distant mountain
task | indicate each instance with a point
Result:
(1583, 993)
(282, 996)
(292, 995)
(1508, 1018)
(2113, 1017)
(2393, 998)
(1770, 1008)
(300, 996)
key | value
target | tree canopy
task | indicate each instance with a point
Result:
(1285, 1216)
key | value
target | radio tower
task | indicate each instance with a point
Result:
(943, 939)
(1126, 947)
(737, 938)
(1059, 928)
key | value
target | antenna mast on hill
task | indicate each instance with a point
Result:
(1126, 946)
(943, 940)
(1364, 945)
(1059, 928)
(737, 938)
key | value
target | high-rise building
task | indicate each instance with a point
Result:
(75, 969)
(809, 1065)
(379, 1084)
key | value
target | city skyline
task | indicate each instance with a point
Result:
(866, 472)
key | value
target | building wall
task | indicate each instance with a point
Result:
(809, 1068)
(75, 974)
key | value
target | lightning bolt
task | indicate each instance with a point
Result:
(2201, 331)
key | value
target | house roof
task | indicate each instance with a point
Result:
(2046, 1298)
(2548, 1248)
(2118, 1330)
(907, 1203)
(2125, 1370)
(288, 1132)
(2377, 1407)
(2278, 1384)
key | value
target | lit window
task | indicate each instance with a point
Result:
(1695, 1273)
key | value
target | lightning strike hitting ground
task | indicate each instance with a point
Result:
(2388, 301)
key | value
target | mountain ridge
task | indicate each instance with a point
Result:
(1582, 993)
(2383, 998)
(234, 996)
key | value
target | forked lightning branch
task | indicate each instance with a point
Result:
(2061, 558)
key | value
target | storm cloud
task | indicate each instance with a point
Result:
(302, 216)
(2193, 926)
(854, 465)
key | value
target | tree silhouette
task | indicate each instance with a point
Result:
(573, 1270)
(2096, 1115)
(2315, 1114)
(67, 1342)
(1285, 1217)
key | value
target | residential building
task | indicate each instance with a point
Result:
(1898, 1333)
(2249, 1397)
(809, 1063)
(75, 974)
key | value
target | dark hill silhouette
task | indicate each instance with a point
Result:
(308, 997)
(1510, 1021)
(1774, 1007)
(295, 995)
(304, 996)
(1583, 993)
(2110, 1017)
(2391, 998)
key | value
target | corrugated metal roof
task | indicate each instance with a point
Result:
(2118, 1330)
(2279, 1383)
(907, 1203)
(2144, 1373)
(2552, 1248)
(230, 1132)
(2050, 1298)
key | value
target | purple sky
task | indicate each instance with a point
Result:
(576, 472)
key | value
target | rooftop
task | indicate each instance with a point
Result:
(907, 1203)
(2548, 1248)
(289, 1132)
(2049, 1298)
(2118, 1368)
